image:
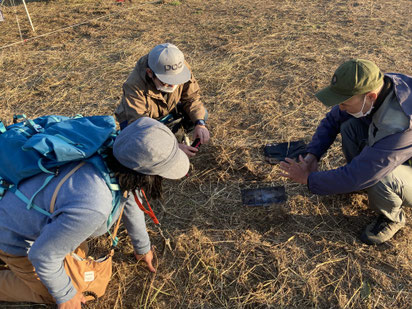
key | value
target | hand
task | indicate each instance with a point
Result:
(297, 171)
(147, 258)
(74, 303)
(201, 132)
(188, 150)
(312, 162)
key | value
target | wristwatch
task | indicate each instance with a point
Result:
(200, 122)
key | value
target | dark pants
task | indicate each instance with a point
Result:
(392, 192)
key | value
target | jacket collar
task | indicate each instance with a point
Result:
(403, 89)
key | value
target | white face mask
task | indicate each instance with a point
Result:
(167, 89)
(360, 113)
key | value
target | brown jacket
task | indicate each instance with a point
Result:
(141, 98)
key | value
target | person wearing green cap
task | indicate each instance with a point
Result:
(372, 111)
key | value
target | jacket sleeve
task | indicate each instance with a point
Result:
(57, 239)
(327, 131)
(190, 99)
(366, 169)
(133, 104)
(134, 221)
(78, 216)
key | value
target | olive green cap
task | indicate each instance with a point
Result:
(356, 76)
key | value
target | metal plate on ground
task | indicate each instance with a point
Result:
(263, 196)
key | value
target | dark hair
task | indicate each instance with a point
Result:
(130, 180)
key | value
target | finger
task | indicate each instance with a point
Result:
(189, 153)
(202, 137)
(150, 266)
(284, 168)
(283, 165)
(302, 161)
(284, 175)
(195, 134)
(206, 136)
(289, 160)
(192, 149)
(149, 260)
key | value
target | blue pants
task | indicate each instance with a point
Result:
(392, 192)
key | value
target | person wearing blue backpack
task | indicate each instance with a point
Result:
(142, 154)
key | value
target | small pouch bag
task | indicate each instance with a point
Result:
(89, 276)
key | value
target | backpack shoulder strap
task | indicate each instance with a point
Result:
(116, 228)
(2, 127)
(62, 181)
(59, 185)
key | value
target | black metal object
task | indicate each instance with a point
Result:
(274, 153)
(263, 196)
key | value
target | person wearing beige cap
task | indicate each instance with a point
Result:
(34, 246)
(372, 112)
(162, 86)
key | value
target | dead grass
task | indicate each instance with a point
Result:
(258, 64)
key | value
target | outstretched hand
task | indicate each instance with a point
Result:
(297, 171)
(147, 258)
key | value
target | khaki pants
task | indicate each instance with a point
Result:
(20, 283)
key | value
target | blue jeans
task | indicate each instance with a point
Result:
(392, 192)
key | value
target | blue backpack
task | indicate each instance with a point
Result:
(30, 147)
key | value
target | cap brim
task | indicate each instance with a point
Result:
(175, 79)
(177, 167)
(330, 98)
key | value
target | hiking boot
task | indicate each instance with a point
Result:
(380, 230)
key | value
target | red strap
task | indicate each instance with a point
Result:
(149, 212)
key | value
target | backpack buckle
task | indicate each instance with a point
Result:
(4, 183)
(4, 186)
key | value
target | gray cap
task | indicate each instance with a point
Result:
(149, 147)
(168, 63)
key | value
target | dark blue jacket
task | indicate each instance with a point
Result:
(375, 161)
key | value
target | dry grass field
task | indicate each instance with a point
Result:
(258, 63)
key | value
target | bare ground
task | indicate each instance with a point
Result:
(258, 64)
